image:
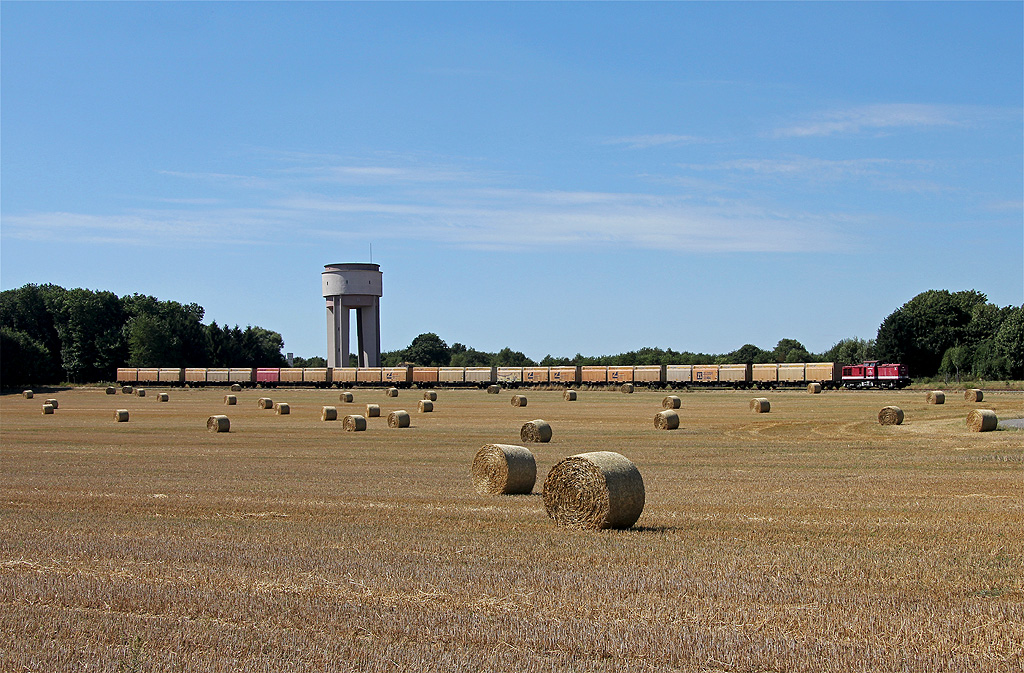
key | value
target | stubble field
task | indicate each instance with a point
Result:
(806, 539)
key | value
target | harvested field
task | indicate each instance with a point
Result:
(808, 539)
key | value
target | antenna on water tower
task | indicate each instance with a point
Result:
(371, 253)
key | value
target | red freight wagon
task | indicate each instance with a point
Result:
(871, 374)
(268, 376)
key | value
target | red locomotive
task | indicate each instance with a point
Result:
(871, 374)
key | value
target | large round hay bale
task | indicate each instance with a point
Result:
(535, 431)
(47, 409)
(426, 406)
(52, 402)
(141, 392)
(935, 397)
(282, 409)
(569, 395)
(519, 400)
(111, 390)
(504, 468)
(601, 489)
(236, 387)
(399, 419)
(760, 405)
(430, 395)
(973, 395)
(265, 403)
(982, 420)
(666, 420)
(671, 402)
(354, 423)
(127, 390)
(121, 415)
(890, 416)
(493, 390)
(218, 424)
(163, 397)
(329, 414)
(627, 388)
(814, 388)
(28, 394)
(345, 397)
(372, 410)
(230, 400)
(391, 392)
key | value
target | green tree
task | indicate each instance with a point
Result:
(24, 360)
(790, 350)
(428, 350)
(1009, 340)
(507, 357)
(27, 310)
(850, 351)
(90, 325)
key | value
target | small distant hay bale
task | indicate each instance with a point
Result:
(345, 397)
(218, 423)
(760, 405)
(814, 388)
(426, 406)
(391, 392)
(890, 416)
(935, 397)
(537, 430)
(601, 489)
(121, 415)
(354, 423)
(329, 414)
(141, 392)
(163, 397)
(982, 420)
(504, 469)
(127, 390)
(52, 402)
(399, 419)
(111, 390)
(28, 394)
(627, 388)
(430, 395)
(973, 395)
(666, 420)
(47, 409)
(519, 400)
(569, 396)
(671, 402)
(265, 403)
(493, 390)
(372, 410)
(230, 400)
(236, 387)
(282, 408)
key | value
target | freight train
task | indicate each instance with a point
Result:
(830, 375)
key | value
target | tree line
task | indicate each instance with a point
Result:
(50, 334)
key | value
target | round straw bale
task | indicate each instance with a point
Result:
(236, 387)
(426, 406)
(121, 415)
(569, 395)
(282, 408)
(504, 468)
(399, 419)
(265, 403)
(329, 414)
(626, 388)
(671, 402)
(28, 394)
(163, 397)
(47, 409)
(760, 405)
(890, 416)
(392, 392)
(345, 397)
(935, 397)
(354, 423)
(536, 431)
(372, 410)
(493, 390)
(666, 420)
(111, 390)
(218, 424)
(141, 392)
(53, 403)
(982, 420)
(127, 390)
(519, 400)
(230, 400)
(814, 388)
(973, 395)
(430, 395)
(601, 489)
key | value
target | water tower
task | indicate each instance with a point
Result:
(358, 287)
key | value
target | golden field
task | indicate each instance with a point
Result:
(806, 539)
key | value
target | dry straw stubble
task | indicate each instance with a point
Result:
(504, 469)
(890, 416)
(354, 423)
(935, 397)
(601, 489)
(218, 423)
(537, 430)
(982, 420)
(671, 402)
(399, 419)
(760, 405)
(666, 420)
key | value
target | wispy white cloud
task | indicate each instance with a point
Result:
(641, 142)
(876, 118)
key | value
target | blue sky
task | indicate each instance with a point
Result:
(558, 178)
